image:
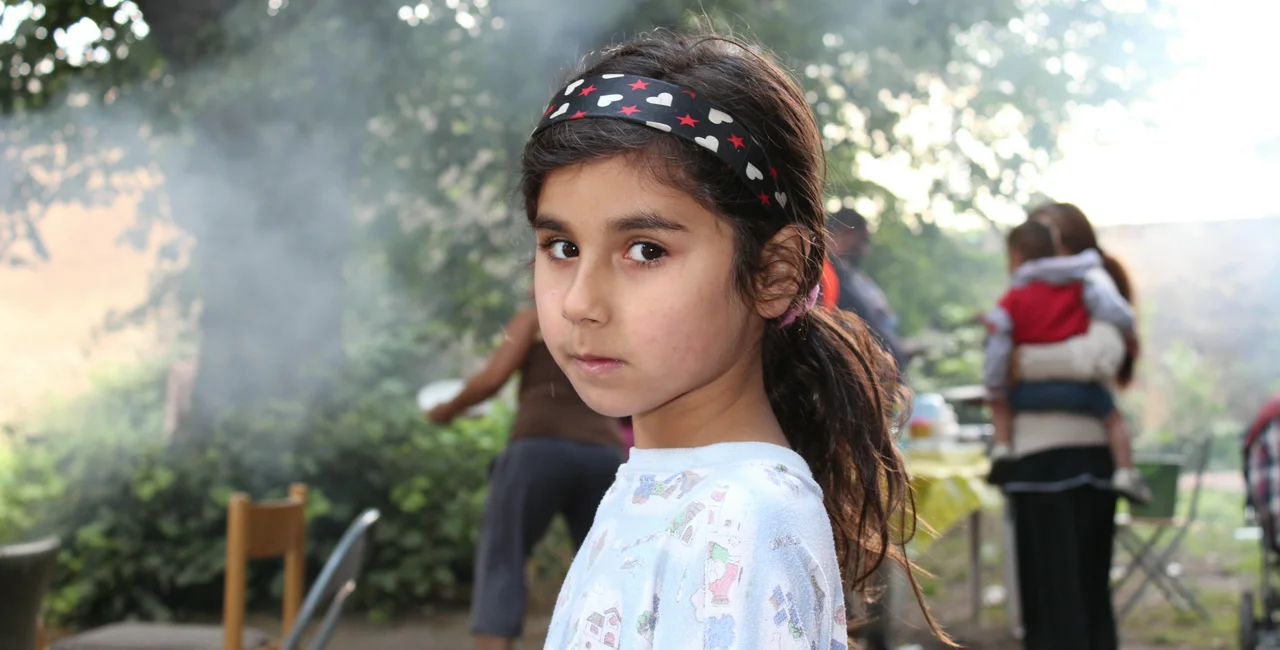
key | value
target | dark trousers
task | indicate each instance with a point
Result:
(532, 480)
(1064, 564)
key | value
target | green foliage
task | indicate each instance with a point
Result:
(1193, 406)
(144, 525)
(123, 409)
(937, 280)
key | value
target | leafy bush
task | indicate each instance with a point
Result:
(75, 440)
(143, 523)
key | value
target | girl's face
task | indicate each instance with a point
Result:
(635, 291)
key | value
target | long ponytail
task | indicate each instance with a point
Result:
(1120, 277)
(835, 392)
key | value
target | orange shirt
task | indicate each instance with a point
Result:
(830, 286)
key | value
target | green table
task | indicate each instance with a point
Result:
(950, 487)
(949, 481)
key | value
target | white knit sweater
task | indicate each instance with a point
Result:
(1094, 356)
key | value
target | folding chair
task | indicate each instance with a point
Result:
(336, 582)
(1151, 556)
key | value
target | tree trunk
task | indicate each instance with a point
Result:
(263, 187)
(269, 270)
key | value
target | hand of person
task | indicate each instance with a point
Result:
(442, 414)
(1015, 365)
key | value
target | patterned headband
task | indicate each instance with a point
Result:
(677, 111)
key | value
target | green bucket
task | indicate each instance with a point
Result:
(1161, 475)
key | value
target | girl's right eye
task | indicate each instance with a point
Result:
(561, 249)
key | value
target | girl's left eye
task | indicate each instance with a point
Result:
(645, 252)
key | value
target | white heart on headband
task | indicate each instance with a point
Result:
(708, 141)
(560, 111)
(782, 198)
(718, 117)
(660, 126)
(663, 99)
(610, 76)
(753, 173)
(605, 100)
(573, 86)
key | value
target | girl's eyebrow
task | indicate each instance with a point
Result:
(645, 220)
(550, 224)
(640, 220)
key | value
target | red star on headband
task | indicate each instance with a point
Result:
(577, 116)
(587, 91)
(691, 93)
(764, 199)
(774, 173)
(688, 120)
(549, 108)
(640, 84)
(737, 142)
(628, 110)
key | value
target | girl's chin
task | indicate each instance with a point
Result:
(609, 403)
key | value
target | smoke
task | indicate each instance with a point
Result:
(341, 176)
(271, 176)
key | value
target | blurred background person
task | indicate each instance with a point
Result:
(855, 290)
(1060, 483)
(561, 458)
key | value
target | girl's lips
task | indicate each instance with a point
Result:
(596, 365)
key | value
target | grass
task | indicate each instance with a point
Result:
(1154, 623)
(1215, 567)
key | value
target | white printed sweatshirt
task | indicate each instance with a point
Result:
(716, 548)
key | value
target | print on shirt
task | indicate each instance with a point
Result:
(600, 627)
(784, 611)
(684, 481)
(819, 596)
(778, 476)
(684, 527)
(648, 621)
(719, 633)
(721, 555)
(598, 546)
(783, 541)
(723, 571)
(603, 627)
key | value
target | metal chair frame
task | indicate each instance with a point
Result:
(1152, 558)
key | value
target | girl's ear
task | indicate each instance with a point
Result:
(782, 271)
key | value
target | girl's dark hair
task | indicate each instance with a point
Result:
(832, 387)
(1076, 235)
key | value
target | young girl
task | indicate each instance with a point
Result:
(561, 458)
(675, 186)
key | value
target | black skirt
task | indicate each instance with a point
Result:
(1064, 468)
(1064, 552)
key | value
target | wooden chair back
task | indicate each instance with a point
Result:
(258, 530)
